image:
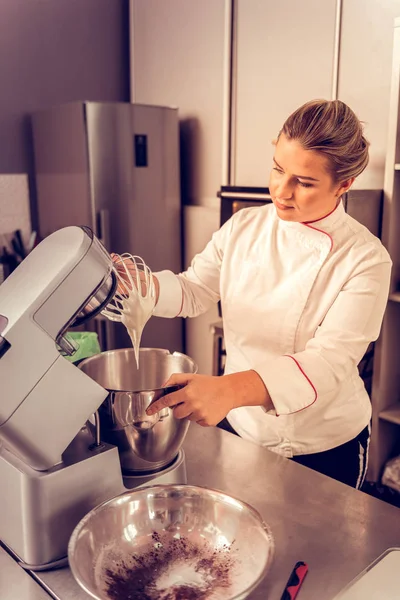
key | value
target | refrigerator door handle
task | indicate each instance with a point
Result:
(103, 227)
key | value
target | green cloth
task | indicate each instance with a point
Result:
(86, 342)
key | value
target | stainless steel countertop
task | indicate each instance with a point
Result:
(15, 584)
(337, 530)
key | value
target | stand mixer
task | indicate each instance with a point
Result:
(52, 470)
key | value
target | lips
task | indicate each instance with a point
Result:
(282, 206)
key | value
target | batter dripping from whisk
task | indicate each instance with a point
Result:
(135, 299)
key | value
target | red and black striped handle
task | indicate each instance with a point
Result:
(295, 580)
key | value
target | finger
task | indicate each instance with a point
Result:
(166, 401)
(130, 274)
(124, 284)
(181, 411)
(179, 379)
(117, 260)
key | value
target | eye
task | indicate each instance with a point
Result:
(305, 185)
(278, 170)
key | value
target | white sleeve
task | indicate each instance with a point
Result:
(194, 291)
(296, 381)
(170, 295)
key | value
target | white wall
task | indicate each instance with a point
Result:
(15, 214)
(200, 222)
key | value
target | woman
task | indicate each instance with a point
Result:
(303, 289)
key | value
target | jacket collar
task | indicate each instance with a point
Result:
(327, 224)
(331, 221)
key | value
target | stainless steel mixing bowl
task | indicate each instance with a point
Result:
(171, 541)
(145, 444)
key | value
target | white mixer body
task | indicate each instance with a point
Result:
(44, 399)
(51, 471)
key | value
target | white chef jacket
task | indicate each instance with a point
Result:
(300, 303)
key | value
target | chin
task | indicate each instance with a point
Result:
(287, 215)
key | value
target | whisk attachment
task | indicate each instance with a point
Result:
(135, 299)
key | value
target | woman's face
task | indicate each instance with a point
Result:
(300, 184)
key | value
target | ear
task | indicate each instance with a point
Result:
(344, 187)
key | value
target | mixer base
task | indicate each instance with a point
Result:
(40, 509)
(174, 473)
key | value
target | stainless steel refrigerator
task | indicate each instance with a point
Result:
(115, 168)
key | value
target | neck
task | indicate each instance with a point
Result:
(324, 216)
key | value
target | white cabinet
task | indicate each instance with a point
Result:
(285, 57)
(285, 53)
(364, 74)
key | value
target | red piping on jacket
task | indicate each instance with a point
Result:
(321, 231)
(309, 381)
(324, 217)
(308, 224)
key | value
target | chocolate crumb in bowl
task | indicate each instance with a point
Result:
(173, 568)
(171, 542)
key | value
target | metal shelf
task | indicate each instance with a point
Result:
(391, 414)
(385, 398)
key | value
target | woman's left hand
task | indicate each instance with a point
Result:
(207, 399)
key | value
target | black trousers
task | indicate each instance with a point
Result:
(346, 463)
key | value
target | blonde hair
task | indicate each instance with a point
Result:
(331, 128)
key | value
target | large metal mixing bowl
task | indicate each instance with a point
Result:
(171, 542)
(146, 443)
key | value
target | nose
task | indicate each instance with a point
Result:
(284, 189)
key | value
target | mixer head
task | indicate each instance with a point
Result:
(65, 280)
